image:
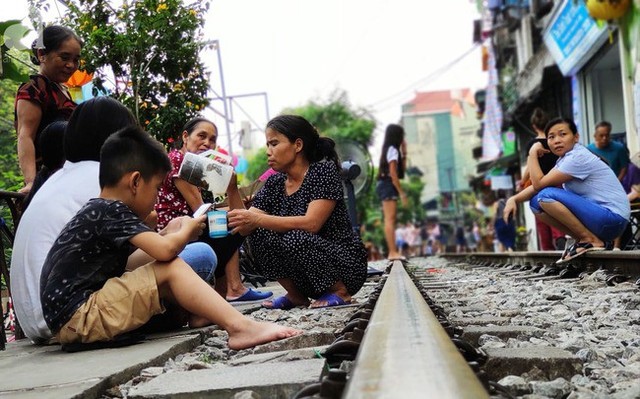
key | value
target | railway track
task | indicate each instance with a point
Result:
(399, 348)
(615, 263)
(475, 326)
(403, 344)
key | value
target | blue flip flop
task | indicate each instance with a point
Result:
(252, 295)
(332, 299)
(281, 302)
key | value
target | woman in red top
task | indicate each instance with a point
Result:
(43, 99)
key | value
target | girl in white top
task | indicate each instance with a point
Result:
(391, 170)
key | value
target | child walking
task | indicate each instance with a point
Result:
(96, 285)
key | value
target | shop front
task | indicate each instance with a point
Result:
(588, 52)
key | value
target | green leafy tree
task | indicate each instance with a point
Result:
(13, 71)
(338, 119)
(413, 212)
(257, 165)
(11, 179)
(16, 68)
(145, 53)
(11, 51)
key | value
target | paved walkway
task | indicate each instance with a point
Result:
(30, 371)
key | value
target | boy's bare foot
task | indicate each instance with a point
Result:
(252, 333)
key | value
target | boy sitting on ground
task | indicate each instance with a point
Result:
(94, 287)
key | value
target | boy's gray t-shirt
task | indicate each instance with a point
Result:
(594, 180)
(92, 248)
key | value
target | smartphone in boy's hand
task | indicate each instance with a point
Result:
(202, 210)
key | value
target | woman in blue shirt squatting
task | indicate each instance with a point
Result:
(298, 226)
(592, 206)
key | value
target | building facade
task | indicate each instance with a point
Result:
(556, 56)
(441, 129)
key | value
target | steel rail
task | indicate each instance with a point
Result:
(406, 353)
(626, 262)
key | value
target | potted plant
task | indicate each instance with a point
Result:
(522, 238)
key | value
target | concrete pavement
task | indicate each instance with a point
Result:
(29, 371)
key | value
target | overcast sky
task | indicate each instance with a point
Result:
(379, 51)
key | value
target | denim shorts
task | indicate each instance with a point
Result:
(386, 190)
(603, 223)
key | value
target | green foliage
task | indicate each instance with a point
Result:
(10, 176)
(370, 217)
(146, 54)
(338, 120)
(15, 71)
(10, 51)
(413, 212)
(257, 165)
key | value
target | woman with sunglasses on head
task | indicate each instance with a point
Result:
(44, 99)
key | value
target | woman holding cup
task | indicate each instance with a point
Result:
(298, 225)
(177, 197)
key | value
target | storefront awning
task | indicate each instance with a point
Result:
(502, 162)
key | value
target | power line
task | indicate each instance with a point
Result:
(433, 75)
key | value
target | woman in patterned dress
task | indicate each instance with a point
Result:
(298, 225)
(43, 99)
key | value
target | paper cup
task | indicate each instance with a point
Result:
(206, 173)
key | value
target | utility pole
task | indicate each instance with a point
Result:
(226, 100)
(216, 46)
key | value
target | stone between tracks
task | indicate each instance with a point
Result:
(268, 380)
(549, 363)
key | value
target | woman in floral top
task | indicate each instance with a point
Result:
(177, 197)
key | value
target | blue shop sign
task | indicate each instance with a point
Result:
(573, 37)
